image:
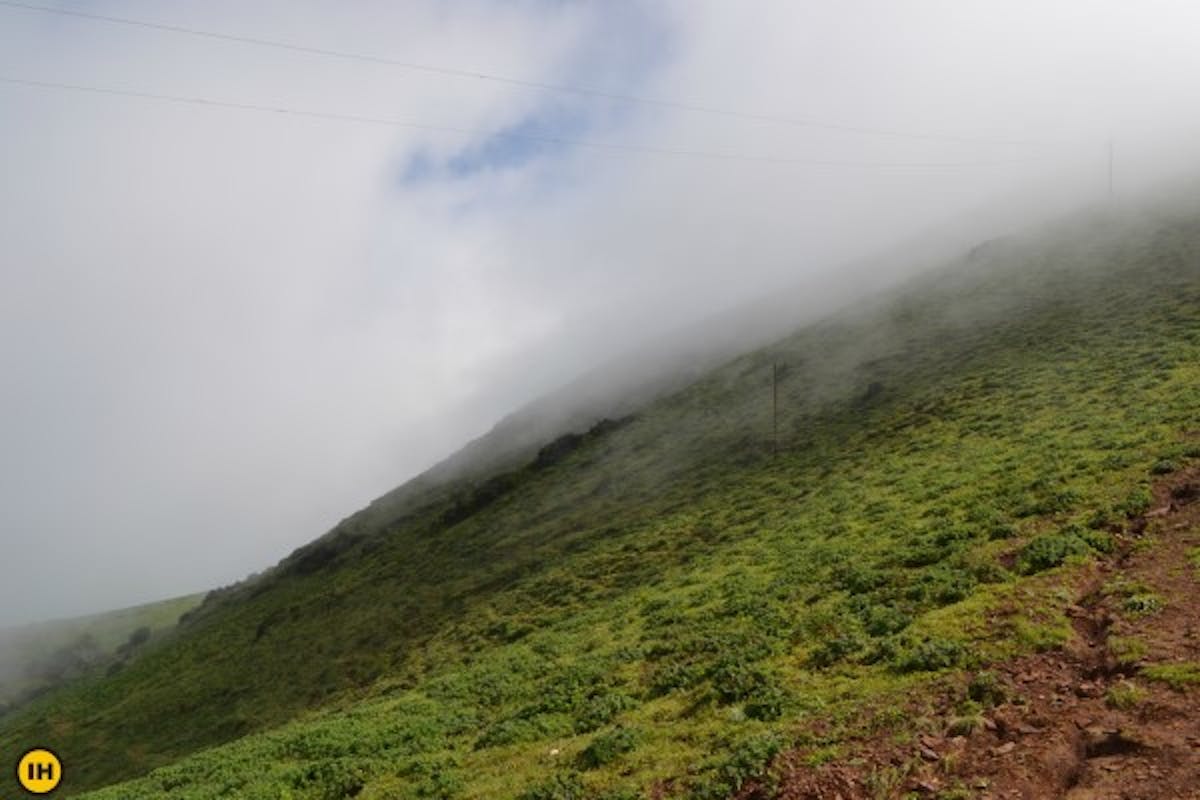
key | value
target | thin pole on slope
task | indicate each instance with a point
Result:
(774, 407)
(1111, 195)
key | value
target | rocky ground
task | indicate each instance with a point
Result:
(1114, 714)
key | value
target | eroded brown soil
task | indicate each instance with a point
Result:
(1083, 723)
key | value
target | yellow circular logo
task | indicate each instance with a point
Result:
(39, 771)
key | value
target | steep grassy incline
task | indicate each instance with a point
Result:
(665, 602)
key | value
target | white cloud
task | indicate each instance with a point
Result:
(223, 330)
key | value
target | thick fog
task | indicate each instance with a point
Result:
(223, 329)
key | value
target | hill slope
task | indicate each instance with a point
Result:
(38, 657)
(664, 601)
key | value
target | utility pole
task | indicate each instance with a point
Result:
(774, 408)
(1110, 170)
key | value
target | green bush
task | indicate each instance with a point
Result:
(523, 729)
(1049, 550)
(985, 689)
(837, 649)
(607, 747)
(1164, 467)
(929, 655)
(564, 786)
(733, 681)
(1137, 502)
(885, 620)
(747, 758)
(1140, 605)
(601, 709)
(767, 703)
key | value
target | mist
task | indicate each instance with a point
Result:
(222, 330)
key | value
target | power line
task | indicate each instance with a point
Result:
(585, 143)
(527, 84)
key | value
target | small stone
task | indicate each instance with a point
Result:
(989, 724)
(928, 754)
(1005, 749)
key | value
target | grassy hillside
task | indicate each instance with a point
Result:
(664, 601)
(41, 656)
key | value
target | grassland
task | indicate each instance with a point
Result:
(38, 657)
(668, 602)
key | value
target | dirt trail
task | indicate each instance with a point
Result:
(1088, 722)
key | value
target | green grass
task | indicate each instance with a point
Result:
(1194, 558)
(29, 652)
(1127, 649)
(1124, 696)
(667, 601)
(1177, 676)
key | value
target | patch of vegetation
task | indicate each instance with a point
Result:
(1124, 696)
(1177, 676)
(986, 690)
(1050, 550)
(607, 747)
(969, 717)
(1141, 605)
(1127, 649)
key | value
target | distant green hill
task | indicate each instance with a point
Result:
(661, 599)
(41, 656)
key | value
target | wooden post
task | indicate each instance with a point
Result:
(1110, 170)
(775, 408)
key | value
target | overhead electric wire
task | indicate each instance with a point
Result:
(464, 131)
(527, 84)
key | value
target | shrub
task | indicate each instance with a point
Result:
(564, 786)
(767, 703)
(885, 620)
(1127, 649)
(942, 586)
(858, 579)
(1123, 696)
(748, 758)
(1140, 605)
(669, 676)
(607, 747)
(601, 709)
(1049, 550)
(1164, 467)
(1138, 502)
(836, 649)
(1001, 530)
(985, 689)
(518, 729)
(1099, 541)
(734, 681)
(929, 655)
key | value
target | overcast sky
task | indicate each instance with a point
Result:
(222, 330)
